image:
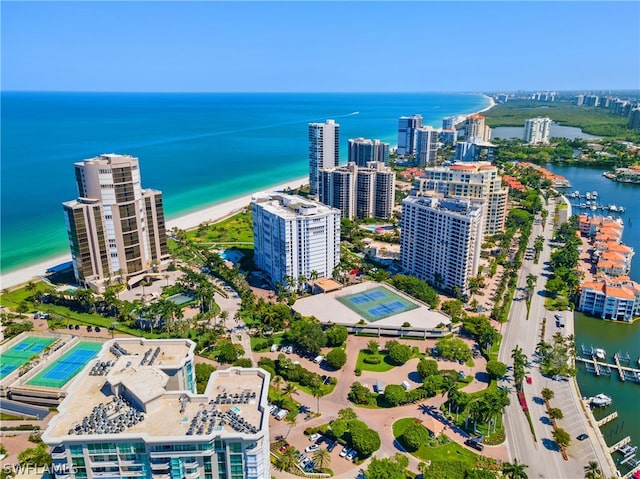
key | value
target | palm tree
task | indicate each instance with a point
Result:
(372, 346)
(547, 394)
(291, 420)
(562, 437)
(316, 390)
(592, 470)
(289, 389)
(322, 458)
(514, 470)
(555, 413)
(287, 459)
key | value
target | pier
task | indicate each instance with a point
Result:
(607, 419)
(619, 444)
(600, 368)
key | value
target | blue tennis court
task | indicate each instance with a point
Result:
(65, 368)
(21, 353)
(377, 303)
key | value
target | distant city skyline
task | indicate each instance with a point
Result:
(319, 46)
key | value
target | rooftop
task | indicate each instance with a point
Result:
(135, 387)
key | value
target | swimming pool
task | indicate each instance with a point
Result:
(181, 298)
(378, 229)
(232, 255)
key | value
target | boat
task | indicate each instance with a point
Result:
(594, 207)
(600, 400)
(594, 194)
(601, 353)
(620, 209)
(627, 450)
(583, 205)
(588, 195)
(613, 208)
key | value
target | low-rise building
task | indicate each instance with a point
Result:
(135, 412)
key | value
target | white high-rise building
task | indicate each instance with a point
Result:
(294, 237)
(360, 192)
(449, 123)
(426, 146)
(115, 227)
(407, 134)
(479, 181)
(324, 146)
(440, 240)
(363, 151)
(537, 131)
(135, 412)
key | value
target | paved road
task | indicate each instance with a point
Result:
(542, 457)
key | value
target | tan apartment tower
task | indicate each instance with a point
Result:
(115, 228)
(476, 130)
(479, 180)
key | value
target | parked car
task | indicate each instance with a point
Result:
(332, 446)
(314, 437)
(284, 447)
(352, 455)
(311, 448)
(97, 329)
(344, 452)
(582, 437)
(474, 444)
(529, 380)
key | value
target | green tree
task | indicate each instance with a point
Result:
(287, 459)
(547, 394)
(562, 437)
(365, 441)
(359, 394)
(322, 458)
(555, 413)
(497, 369)
(36, 456)
(229, 352)
(592, 470)
(336, 358)
(336, 335)
(514, 470)
(400, 353)
(414, 436)
(203, 372)
(394, 394)
(347, 414)
(417, 288)
(372, 346)
(385, 469)
(427, 367)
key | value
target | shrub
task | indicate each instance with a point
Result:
(336, 335)
(427, 367)
(242, 362)
(372, 360)
(358, 372)
(415, 436)
(336, 358)
(400, 353)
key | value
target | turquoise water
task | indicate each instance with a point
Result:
(612, 337)
(199, 149)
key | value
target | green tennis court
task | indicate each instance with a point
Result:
(377, 303)
(20, 354)
(71, 363)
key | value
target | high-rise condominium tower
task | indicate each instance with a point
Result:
(115, 227)
(362, 192)
(407, 126)
(426, 146)
(294, 237)
(363, 151)
(440, 240)
(537, 131)
(475, 129)
(324, 145)
(479, 181)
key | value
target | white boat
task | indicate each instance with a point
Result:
(594, 194)
(583, 205)
(601, 353)
(627, 450)
(600, 400)
(594, 207)
(588, 195)
(613, 208)
(621, 209)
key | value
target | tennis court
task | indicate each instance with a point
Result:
(377, 303)
(20, 354)
(71, 363)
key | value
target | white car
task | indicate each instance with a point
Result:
(311, 448)
(344, 452)
(314, 437)
(352, 455)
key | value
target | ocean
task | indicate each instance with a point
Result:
(198, 149)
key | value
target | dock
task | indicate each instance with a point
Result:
(607, 419)
(619, 444)
(604, 368)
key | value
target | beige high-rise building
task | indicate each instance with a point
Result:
(361, 192)
(478, 180)
(475, 129)
(115, 227)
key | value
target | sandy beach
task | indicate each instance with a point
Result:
(191, 220)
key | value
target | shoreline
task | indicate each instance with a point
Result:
(213, 213)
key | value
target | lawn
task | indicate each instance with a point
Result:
(381, 367)
(236, 229)
(447, 452)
